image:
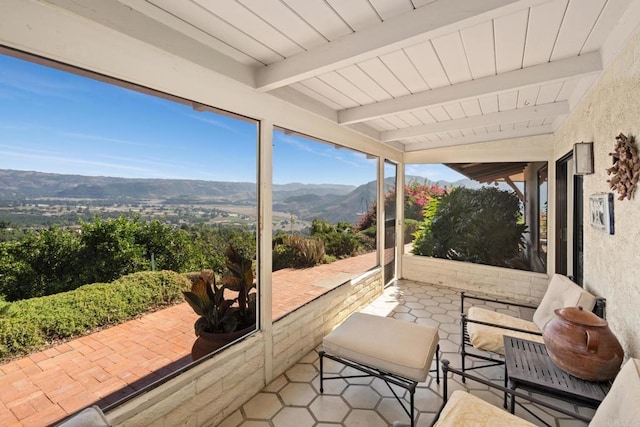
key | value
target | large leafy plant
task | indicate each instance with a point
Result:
(210, 299)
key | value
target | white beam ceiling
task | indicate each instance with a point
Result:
(424, 23)
(492, 119)
(472, 139)
(562, 69)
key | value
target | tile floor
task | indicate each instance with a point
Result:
(293, 399)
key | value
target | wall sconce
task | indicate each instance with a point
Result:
(583, 158)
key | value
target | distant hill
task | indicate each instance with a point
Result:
(333, 202)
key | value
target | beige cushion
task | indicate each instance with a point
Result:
(490, 338)
(463, 409)
(390, 345)
(561, 292)
(621, 408)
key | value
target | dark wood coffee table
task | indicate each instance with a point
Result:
(528, 366)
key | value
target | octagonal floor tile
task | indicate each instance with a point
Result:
(302, 372)
(277, 384)
(293, 417)
(391, 410)
(262, 406)
(252, 423)
(330, 386)
(297, 394)
(348, 371)
(361, 418)
(361, 397)
(329, 408)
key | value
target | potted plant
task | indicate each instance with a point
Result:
(227, 309)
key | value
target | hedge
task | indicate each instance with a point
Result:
(31, 324)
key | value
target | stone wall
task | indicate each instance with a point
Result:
(611, 267)
(518, 284)
(211, 391)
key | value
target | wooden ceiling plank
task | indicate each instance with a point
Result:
(362, 80)
(428, 64)
(544, 24)
(336, 96)
(251, 24)
(424, 116)
(451, 52)
(471, 107)
(322, 17)
(434, 20)
(379, 72)
(454, 111)
(613, 11)
(489, 104)
(518, 133)
(586, 64)
(580, 19)
(528, 96)
(480, 50)
(160, 14)
(491, 119)
(358, 14)
(508, 100)
(510, 35)
(343, 85)
(549, 92)
(403, 69)
(281, 17)
(315, 95)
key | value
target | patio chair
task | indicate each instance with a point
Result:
(619, 408)
(485, 329)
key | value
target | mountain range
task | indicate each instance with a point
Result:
(334, 202)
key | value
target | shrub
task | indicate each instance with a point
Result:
(481, 226)
(296, 251)
(27, 325)
(410, 228)
(339, 239)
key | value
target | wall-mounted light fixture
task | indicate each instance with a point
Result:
(583, 158)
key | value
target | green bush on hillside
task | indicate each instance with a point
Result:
(482, 226)
(28, 325)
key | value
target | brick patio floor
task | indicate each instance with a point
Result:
(105, 366)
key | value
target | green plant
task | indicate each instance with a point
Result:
(297, 251)
(481, 226)
(30, 324)
(218, 313)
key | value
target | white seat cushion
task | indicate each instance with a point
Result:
(390, 345)
(561, 292)
(490, 338)
(463, 409)
(620, 407)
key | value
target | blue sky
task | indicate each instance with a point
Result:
(54, 121)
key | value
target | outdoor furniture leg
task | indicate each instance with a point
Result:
(321, 354)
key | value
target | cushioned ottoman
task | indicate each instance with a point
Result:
(397, 351)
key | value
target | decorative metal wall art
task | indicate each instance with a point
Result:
(626, 167)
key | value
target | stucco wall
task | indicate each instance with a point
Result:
(211, 391)
(611, 262)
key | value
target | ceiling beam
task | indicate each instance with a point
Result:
(424, 23)
(472, 139)
(579, 66)
(127, 20)
(502, 117)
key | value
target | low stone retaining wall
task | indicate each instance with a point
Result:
(518, 284)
